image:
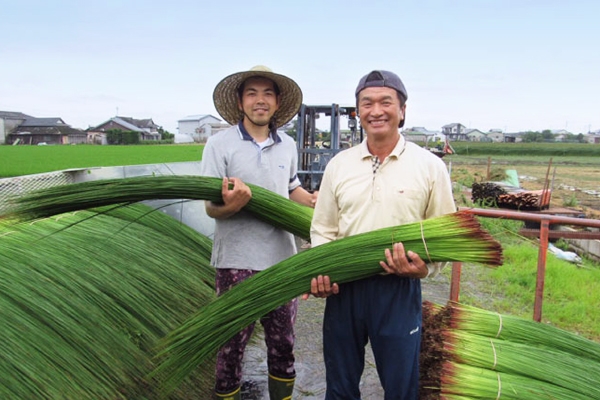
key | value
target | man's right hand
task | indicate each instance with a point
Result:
(321, 286)
(236, 194)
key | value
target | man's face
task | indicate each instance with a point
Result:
(259, 101)
(380, 111)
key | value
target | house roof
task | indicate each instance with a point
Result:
(515, 134)
(14, 115)
(126, 124)
(140, 123)
(131, 124)
(452, 124)
(197, 117)
(474, 130)
(52, 121)
(48, 130)
(420, 130)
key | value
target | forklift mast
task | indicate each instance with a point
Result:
(313, 154)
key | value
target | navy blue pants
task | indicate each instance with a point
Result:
(385, 310)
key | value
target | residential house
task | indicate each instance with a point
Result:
(593, 138)
(496, 135)
(9, 120)
(146, 128)
(475, 135)
(514, 137)
(200, 127)
(46, 131)
(561, 135)
(420, 134)
(455, 132)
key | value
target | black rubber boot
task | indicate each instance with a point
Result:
(234, 395)
(281, 388)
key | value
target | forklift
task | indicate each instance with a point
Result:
(313, 155)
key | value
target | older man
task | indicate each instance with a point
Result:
(385, 181)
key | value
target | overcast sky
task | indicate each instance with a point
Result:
(488, 64)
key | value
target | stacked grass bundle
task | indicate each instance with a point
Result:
(544, 368)
(468, 382)
(493, 325)
(454, 237)
(83, 302)
(477, 354)
(270, 207)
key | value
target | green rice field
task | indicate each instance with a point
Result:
(26, 160)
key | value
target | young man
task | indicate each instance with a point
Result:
(385, 181)
(256, 103)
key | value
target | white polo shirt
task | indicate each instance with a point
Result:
(411, 184)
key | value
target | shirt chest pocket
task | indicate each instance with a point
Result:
(406, 204)
(278, 173)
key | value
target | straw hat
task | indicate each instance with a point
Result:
(225, 95)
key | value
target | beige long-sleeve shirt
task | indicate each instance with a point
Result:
(410, 185)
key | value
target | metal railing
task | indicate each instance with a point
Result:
(545, 220)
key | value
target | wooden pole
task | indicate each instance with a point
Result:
(546, 186)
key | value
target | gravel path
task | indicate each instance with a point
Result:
(310, 370)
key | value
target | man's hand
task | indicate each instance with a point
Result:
(321, 286)
(236, 194)
(313, 198)
(304, 197)
(405, 264)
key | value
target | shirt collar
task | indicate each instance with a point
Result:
(396, 152)
(244, 135)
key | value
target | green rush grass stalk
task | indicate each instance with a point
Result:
(516, 329)
(461, 381)
(550, 366)
(453, 237)
(83, 302)
(138, 213)
(270, 207)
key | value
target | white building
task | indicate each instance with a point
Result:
(475, 135)
(200, 127)
(496, 135)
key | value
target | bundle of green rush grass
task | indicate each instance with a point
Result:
(488, 355)
(453, 237)
(546, 367)
(515, 329)
(83, 302)
(153, 219)
(466, 382)
(266, 205)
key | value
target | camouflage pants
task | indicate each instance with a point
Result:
(279, 337)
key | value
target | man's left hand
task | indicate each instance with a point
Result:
(403, 263)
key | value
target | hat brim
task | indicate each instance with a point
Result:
(225, 96)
